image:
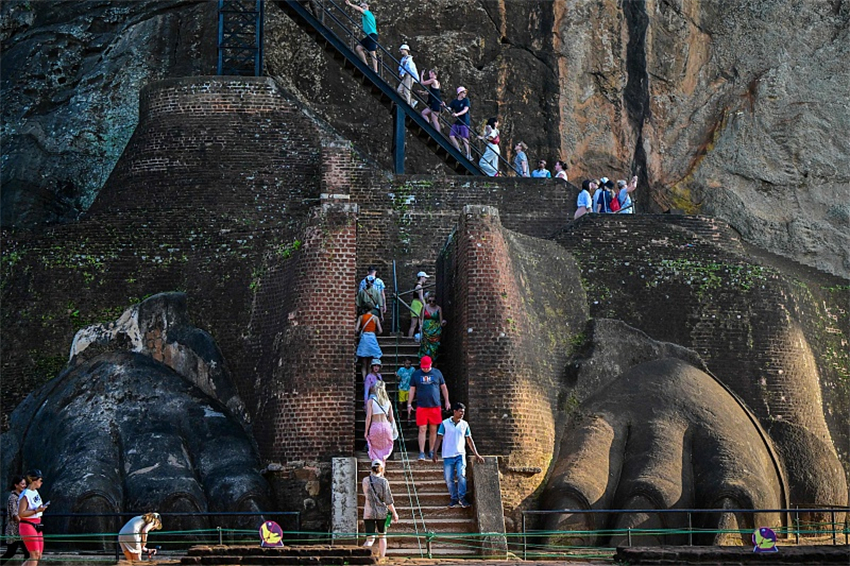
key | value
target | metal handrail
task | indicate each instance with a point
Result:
(328, 6)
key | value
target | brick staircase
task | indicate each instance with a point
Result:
(421, 492)
(281, 556)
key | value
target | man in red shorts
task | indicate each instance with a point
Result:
(425, 386)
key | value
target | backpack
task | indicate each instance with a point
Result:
(615, 202)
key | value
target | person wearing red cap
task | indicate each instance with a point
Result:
(427, 382)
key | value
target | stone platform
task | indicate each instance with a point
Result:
(732, 555)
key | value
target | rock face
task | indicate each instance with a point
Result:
(734, 109)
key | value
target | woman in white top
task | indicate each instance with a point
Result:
(489, 162)
(561, 170)
(379, 423)
(133, 537)
(30, 508)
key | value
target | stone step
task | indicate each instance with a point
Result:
(444, 525)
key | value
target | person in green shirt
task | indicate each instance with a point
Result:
(370, 29)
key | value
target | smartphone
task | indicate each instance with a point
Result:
(46, 504)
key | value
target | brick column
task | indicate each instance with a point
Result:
(306, 410)
(510, 408)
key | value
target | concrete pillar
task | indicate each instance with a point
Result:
(344, 499)
(488, 508)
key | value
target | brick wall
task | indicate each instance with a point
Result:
(215, 183)
(410, 217)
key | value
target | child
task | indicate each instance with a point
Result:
(404, 374)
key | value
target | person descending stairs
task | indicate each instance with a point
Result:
(419, 487)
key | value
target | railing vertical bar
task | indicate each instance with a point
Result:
(690, 530)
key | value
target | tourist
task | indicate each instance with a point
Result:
(435, 98)
(561, 170)
(379, 286)
(584, 202)
(417, 303)
(601, 200)
(428, 383)
(369, 298)
(30, 509)
(370, 30)
(404, 374)
(541, 172)
(13, 541)
(373, 377)
(133, 537)
(460, 129)
(380, 422)
(377, 507)
(521, 160)
(624, 195)
(367, 346)
(489, 162)
(432, 327)
(455, 436)
(406, 72)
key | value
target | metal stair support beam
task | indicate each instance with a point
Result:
(240, 37)
(379, 88)
(398, 140)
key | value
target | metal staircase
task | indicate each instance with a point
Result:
(403, 115)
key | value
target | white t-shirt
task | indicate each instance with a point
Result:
(454, 437)
(33, 501)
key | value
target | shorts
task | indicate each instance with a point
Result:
(370, 42)
(375, 525)
(459, 131)
(428, 415)
(403, 396)
(34, 541)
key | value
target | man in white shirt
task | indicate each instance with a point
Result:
(378, 283)
(454, 435)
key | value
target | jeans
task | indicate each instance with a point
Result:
(455, 467)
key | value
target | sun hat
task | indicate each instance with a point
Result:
(461, 89)
(422, 274)
(404, 47)
(603, 180)
(621, 183)
(36, 473)
(376, 362)
(425, 362)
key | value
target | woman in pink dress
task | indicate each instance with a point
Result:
(379, 423)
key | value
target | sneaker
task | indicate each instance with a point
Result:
(464, 505)
(414, 103)
(431, 455)
(453, 504)
(422, 456)
(469, 156)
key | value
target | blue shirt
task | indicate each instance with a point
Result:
(625, 201)
(427, 387)
(518, 161)
(583, 200)
(404, 375)
(368, 23)
(545, 174)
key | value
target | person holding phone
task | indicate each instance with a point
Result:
(30, 508)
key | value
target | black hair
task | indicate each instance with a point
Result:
(16, 479)
(457, 406)
(492, 122)
(585, 185)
